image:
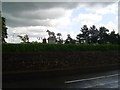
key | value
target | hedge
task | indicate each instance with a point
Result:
(57, 47)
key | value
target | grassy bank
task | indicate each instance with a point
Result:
(57, 47)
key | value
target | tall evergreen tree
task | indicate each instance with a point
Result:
(93, 34)
(103, 36)
(4, 30)
(83, 37)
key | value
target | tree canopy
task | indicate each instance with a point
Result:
(4, 30)
(93, 35)
(24, 38)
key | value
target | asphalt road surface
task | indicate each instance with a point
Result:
(106, 79)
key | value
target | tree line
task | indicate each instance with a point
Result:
(87, 35)
(93, 35)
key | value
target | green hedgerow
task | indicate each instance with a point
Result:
(57, 47)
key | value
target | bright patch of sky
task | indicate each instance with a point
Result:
(79, 10)
(108, 17)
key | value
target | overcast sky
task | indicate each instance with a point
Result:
(34, 18)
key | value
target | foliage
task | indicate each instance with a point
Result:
(59, 39)
(94, 36)
(25, 38)
(4, 30)
(84, 36)
(69, 40)
(57, 47)
(44, 40)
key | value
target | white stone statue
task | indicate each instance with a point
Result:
(51, 34)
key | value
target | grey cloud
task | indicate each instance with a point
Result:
(20, 6)
(19, 22)
(37, 13)
(43, 14)
(27, 13)
(13, 7)
(102, 4)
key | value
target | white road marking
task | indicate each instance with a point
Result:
(101, 84)
(73, 81)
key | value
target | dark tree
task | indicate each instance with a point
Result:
(59, 39)
(83, 37)
(118, 38)
(80, 38)
(103, 36)
(69, 40)
(44, 40)
(4, 30)
(114, 38)
(93, 35)
(25, 38)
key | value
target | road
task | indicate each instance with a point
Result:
(106, 79)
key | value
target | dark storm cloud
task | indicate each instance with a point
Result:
(27, 13)
(37, 13)
(26, 22)
(20, 6)
(14, 7)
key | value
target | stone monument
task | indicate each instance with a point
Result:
(51, 38)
